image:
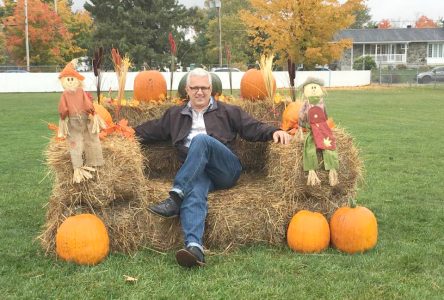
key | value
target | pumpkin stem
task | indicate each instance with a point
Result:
(352, 203)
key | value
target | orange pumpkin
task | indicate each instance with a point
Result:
(252, 86)
(353, 229)
(290, 115)
(82, 239)
(308, 232)
(150, 86)
(104, 114)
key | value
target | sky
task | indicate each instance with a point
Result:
(394, 10)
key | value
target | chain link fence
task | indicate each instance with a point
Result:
(411, 75)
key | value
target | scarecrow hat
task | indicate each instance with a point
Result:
(69, 71)
(312, 80)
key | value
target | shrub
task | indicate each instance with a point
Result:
(369, 63)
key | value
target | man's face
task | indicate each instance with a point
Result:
(199, 91)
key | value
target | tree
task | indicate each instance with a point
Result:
(424, 22)
(139, 28)
(7, 9)
(234, 33)
(384, 24)
(3, 57)
(79, 25)
(48, 37)
(302, 31)
(362, 17)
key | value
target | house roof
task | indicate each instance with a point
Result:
(392, 35)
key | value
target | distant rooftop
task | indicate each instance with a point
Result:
(395, 35)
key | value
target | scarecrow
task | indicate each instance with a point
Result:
(80, 124)
(313, 117)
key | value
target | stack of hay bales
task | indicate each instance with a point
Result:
(258, 209)
(118, 194)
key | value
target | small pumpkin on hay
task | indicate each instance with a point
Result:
(259, 84)
(150, 86)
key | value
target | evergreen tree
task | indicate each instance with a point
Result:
(139, 28)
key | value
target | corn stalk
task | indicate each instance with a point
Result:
(266, 65)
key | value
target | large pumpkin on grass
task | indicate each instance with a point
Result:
(215, 82)
(290, 116)
(82, 239)
(252, 86)
(354, 229)
(308, 232)
(150, 86)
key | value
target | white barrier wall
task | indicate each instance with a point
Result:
(49, 82)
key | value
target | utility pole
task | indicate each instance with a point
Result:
(218, 5)
(26, 35)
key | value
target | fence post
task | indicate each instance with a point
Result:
(380, 74)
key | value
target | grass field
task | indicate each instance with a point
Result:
(400, 134)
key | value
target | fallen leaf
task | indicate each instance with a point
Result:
(130, 279)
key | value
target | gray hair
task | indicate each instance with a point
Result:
(198, 72)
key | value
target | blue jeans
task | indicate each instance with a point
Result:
(209, 165)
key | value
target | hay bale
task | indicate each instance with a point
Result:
(257, 209)
(120, 177)
(161, 160)
(161, 157)
(130, 226)
(133, 228)
(285, 170)
(246, 214)
(136, 115)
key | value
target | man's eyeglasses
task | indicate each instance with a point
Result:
(204, 89)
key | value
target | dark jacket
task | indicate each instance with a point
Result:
(222, 121)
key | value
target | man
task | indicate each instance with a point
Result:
(203, 131)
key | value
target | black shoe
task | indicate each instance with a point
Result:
(168, 208)
(190, 257)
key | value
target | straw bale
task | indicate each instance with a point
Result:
(285, 170)
(130, 226)
(265, 111)
(257, 209)
(248, 213)
(120, 177)
(136, 115)
(161, 160)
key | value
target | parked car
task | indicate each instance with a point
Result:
(82, 67)
(317, 68)
(435, 74)
(225, 70)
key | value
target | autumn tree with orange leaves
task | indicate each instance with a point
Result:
(384, 24)
(48, 37)
(424, 22)
(300, 31)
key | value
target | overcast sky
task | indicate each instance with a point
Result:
(396, 10)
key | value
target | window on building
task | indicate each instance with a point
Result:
(435, 50)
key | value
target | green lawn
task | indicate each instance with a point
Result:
(400, 134)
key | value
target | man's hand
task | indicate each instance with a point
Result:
(281, 136)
